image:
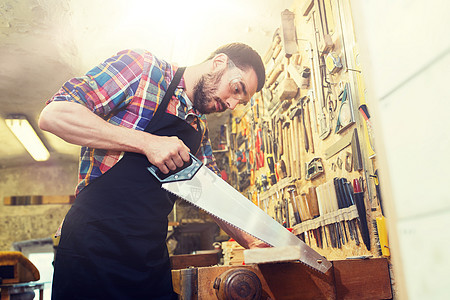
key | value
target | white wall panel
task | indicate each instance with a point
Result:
(402, 37)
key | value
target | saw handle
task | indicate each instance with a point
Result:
(186, 172)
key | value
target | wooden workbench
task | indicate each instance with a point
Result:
(347, 279)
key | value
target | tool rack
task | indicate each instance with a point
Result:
(302, 149)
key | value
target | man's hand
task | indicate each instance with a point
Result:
(167, 153)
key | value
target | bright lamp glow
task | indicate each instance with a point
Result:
(22, 129)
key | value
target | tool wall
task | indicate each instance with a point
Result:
(303, 149)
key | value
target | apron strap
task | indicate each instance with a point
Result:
(161, 109)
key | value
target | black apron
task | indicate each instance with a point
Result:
(113, 240)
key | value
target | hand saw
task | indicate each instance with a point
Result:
(200, 186)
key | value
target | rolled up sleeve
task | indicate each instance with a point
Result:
(109, 86)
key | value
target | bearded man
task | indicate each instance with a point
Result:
(132, 111)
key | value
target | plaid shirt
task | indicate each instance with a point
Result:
(126, 90)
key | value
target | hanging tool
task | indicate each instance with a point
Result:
(324, 126)
(305, 133)
(311, 197)
(334, 206)
(348, 161)
(308, 123)
(286, 215)
(345, 115)
(265, 136)
(349, 196)
(289, 33)
(281, 145)
(365, 113)
(339, 145)
(324, 38)
(259, 150)
(272, 78)
(304, 208)
(291, 190)
(276, 40)
(383, 236)
(312, 102)
(277, 218)
(287, 147)
(294, 150)
(343, 99)
(274, 139)
(306, 75)
(378, 190)
(342, 201)
(233, 133)
(293, 116)
(361, 207)
(288, 89)
(281, 170)
(333, 63)
(356, 151)
(270, 160)
(314, 168)
(301, 78)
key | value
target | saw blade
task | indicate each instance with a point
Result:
(212, 194)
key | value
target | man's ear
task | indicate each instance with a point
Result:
(219, 62)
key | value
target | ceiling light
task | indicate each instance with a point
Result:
(22, 129)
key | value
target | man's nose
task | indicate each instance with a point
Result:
(232, 103)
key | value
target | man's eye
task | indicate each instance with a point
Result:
(236, 89)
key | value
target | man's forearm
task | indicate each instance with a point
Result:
(78, 125)
(242, 238)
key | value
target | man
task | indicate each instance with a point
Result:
(127, 113)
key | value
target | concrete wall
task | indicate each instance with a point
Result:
(26, 222)
(405, 53)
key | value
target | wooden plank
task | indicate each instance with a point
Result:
(38, 199)
(65, 199)
(362, 279)
(194, 260)
(275, 254)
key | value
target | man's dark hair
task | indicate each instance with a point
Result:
(244, 57)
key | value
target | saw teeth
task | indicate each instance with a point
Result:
(309, 266)
(217, 217)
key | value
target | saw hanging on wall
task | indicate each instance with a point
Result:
(324, 122)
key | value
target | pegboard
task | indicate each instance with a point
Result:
(302, 150)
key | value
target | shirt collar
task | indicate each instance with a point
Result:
(182, 83)
(188, 102)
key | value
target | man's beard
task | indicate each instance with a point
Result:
(205, 89)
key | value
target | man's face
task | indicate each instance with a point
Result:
(224, 88)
